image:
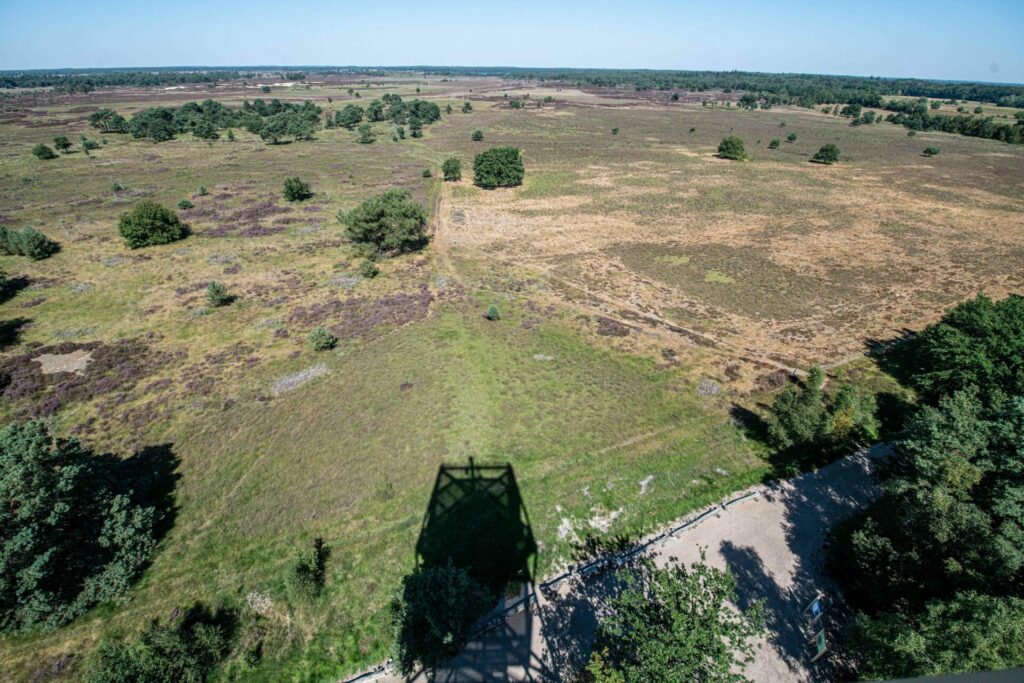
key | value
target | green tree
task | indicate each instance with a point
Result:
(774, 144)
(62, 143)
(71, 535)
(321, 339)
(731, 148)
(791, 137)
(498, 167)
(149, 224)
(828, 154)
(935, 105)
(677, 624)
(27, 242)
(432, 614)
(349, 117)
(478, 136)
(217, 295)
(931, 151)
(366, 135)
(389, 222)
(185, 204)
(295, 190)
(968, 633)
(43, 152)
(108, 121)
(748, 101)
(466, 107)
(492, 313)
(452, 169)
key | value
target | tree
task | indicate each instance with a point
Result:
(748, 101)
(217, 295)
(433, 613)
(466, 107)
(478, 136)
(389, 222)
(791, 137)
(27, 242)
(452, 169)
(931, 151)
(774, 144)
(43, 152)
(375, 111)
(492, 313)
(62, 143)
(71, 534)
(677, 624)
(828, 154)
(108, 121)
(970, 632)
(366, 135)
(935, 104)
(731, 148)
(447, 109)
(295, 190)
(498, 167)
(185, 204)
(321, 339)
(349, 117)
(186, 648)
(149, 224)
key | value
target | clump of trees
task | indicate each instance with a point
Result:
(149, 224)
(674, 624)
(914, 114)
(731, 148)
(71, 535)
(296, 190)
(273, 121)
(936, 565)
(828, 154)
(27, 242)
(498, 167)
(108, 121)
(452, 169)
(391, 222)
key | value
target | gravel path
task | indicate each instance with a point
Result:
(771, 542)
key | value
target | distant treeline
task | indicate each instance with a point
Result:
(91, 80)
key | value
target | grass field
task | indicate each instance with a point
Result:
(644, 285)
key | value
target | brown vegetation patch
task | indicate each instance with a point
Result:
(359, 317)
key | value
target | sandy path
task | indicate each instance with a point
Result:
(772, 543)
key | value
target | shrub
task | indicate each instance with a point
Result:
(774, 144)
(390, 222)
(791, 137)
(366, 135)
(62, 143)
(498, 167)
(231, 135)
(217, 295)
(731, 148)
(73, 533)
(202, 191)
(185, 204)
(911, 133)
(27, 242)
(828, 154)
(931, 151)
(979, 110)
(466, 107)
(448, 109)
(309, 573)
(369, 269)
(187, 648)
(427, 173)
(478, 136)
(149, 224)
(615, 131)
(295, 190)
(452, 169)
(493, 313)
(321, 339)
(43, 152)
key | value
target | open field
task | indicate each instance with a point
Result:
(644, 286)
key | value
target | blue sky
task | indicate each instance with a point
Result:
(979, 40)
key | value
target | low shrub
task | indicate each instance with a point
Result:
(321, 339)
(43, 152)
(185, 204)
(217, 295)
(492, 313)
(295, 190)
(774, 144)
(309, 574)
(931, 151)
(369, 269)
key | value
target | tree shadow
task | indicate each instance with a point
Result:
(10, 331)
(148, 478)
(895, 356)
(12, 286)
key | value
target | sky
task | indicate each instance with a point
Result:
(979, 40)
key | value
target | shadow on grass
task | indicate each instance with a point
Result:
(10, 331)
(12, 286)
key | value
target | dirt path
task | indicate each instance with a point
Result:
(771, 542)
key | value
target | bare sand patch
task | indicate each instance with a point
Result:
(52, 363)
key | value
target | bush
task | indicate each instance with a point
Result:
(452, 169)
(478, 135)
(295, 190)
(185, 204)
(498, 167)
(791, 137)
(202, 191)
(217, 295)
(62, 143)
(27, 242)
(390, 222)
(321, 339)
(828, 154)
(615, 131)
(774, 144)
(492, 313)
(369, 269)
(366, 135)
(931, 151)
(427, 173)
(310, 571)
(731, 148)
(150, 224)
(43, 152)
(73, 532)
(466, 107)
(187, 648)
(433, 613)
